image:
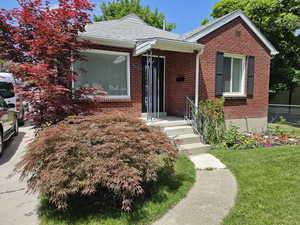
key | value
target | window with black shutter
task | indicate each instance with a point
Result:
(234, 75)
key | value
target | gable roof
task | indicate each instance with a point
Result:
(202, 31)
(130, 30)
(127, 29)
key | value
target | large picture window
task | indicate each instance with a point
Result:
(234, 74)
(105, 70)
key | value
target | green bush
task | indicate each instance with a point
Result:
(114, 157)
(211, 120)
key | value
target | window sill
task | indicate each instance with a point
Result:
(117, 100)
(234, 96)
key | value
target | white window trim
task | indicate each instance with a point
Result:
(242, 92)
(127, 54)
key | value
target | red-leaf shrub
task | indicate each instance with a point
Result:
(115, 154)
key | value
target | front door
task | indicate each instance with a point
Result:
(153, 84)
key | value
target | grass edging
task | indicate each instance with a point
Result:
(166, 194)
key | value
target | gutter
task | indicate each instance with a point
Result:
(109, 42)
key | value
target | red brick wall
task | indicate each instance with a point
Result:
(236, 37)
(176, 64)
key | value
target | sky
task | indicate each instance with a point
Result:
(186, 14)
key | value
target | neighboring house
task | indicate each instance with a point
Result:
(228, 57)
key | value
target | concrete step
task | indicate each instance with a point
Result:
(178, 130)
(187, 139)
(194, 149)
(164, 123)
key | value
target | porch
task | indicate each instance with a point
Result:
(167, 79)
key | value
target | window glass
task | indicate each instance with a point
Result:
(233, 74)
(237, 75)
(7, 90)
(103, 72)
(227, 73)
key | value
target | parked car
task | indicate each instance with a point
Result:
(9, 125)
(8, 90)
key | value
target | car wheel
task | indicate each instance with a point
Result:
(21, 121)
(1, 144)
(16, 127)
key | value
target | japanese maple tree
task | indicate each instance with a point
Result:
(42, 43)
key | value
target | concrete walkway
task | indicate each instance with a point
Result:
(209, 200)
(16, 207)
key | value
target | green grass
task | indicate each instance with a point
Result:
(269, 185)
(289, 129)
(167, 193)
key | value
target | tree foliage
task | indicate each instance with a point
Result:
(279, 21)
(42, 44)
(120, 8)
(204, 21)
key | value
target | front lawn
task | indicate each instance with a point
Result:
(166, 193)
(269, 185)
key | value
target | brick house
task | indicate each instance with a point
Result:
(148, 70)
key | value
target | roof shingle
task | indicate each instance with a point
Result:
(128, 28)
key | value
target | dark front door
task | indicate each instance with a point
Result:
(153, 84)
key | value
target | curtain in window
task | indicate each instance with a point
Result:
(237, 75)
(227, 74)
(233, 72)
(103, 72)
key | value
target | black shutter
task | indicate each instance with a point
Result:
(250, 75)
(219, 89)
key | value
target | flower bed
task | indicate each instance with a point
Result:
(275, 136)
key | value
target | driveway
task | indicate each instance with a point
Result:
(16, 206)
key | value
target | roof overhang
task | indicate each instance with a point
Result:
(226, 19)
(143, 46)
(109, 42)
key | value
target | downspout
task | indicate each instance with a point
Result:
(197, 82)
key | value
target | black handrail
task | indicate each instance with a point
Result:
(194, 116)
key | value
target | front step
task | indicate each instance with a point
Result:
(194, 149)
(187, 139)
(178, 130)
(182, 133)
(172, 123)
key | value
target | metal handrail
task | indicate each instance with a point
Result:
(195, 118)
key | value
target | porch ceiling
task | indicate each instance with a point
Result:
(143, 46)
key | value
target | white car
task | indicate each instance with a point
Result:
(8, 90)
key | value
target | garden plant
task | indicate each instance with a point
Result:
(111, 155)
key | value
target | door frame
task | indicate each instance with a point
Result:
(164, 84)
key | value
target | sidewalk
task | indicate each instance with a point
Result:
(209, 200)
(16, 207)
